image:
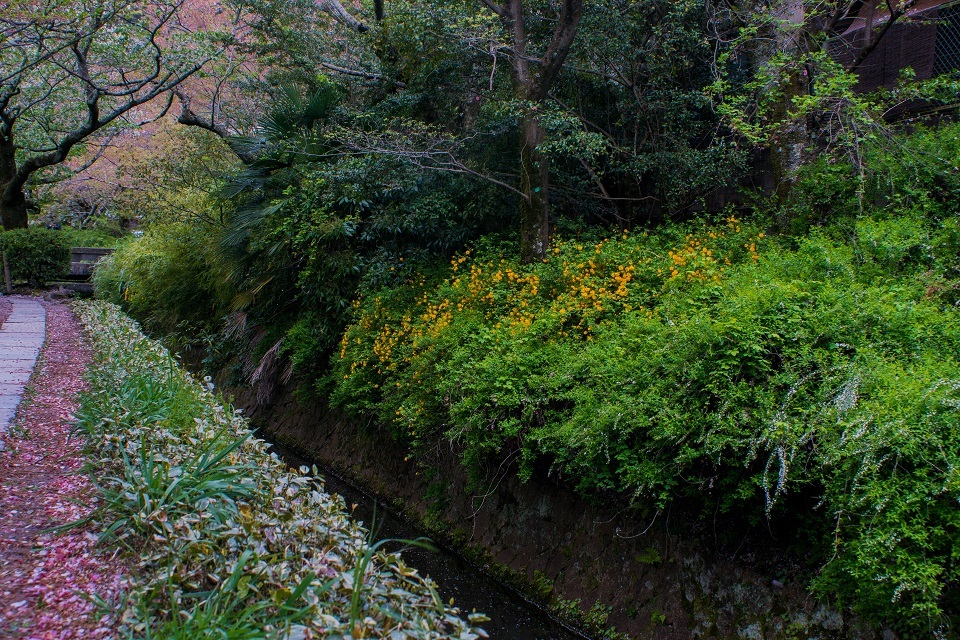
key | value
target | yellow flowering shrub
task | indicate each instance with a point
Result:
(392, 349)
(743, 373)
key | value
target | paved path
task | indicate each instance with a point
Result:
(20, 340)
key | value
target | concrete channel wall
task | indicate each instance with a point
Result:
(663, 575)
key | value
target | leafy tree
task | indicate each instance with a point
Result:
(534, 74)
(606, 97)
(536, 53)
(71, 72)
(799, 95)
(176, 176)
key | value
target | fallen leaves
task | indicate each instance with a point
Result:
(44, 577)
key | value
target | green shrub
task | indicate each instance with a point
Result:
(35, 255)
(166, 278)
(914, 173)
(706, 362)
(88, 237)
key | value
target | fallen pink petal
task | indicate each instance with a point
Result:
(46, 579)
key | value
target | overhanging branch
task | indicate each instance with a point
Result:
(896, 12)
(335, 9)
(188, 118)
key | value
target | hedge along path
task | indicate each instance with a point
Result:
(42, 576)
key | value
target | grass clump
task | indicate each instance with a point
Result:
(226, 540)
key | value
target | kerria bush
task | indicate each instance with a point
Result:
(489, 349)
(492, 302)
(227, 541)
(708, 362)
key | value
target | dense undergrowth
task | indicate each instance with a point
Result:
(710, 362)
(713, 363)
(226, 541)
(38, 255)
(792, 366)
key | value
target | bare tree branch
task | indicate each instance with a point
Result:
(103, 146)
(48, 54)
(188, 118)
(553, 58)
(493, 6)
(361, 74)
(433, 154)
(94, 123)
(896, 12)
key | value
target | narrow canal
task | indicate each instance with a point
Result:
(512, 616)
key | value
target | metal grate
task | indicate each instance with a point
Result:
(844, 49)
(947, 56)
(935, 31)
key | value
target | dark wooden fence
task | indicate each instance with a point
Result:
(83, 259)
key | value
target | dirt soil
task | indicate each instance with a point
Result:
(46, 578)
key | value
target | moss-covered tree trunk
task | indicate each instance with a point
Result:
(535, 185)
(532, 79)
(787, 150)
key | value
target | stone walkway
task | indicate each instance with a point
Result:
(43, 576)
(21, 338)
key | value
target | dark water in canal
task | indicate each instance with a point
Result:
(512, 616)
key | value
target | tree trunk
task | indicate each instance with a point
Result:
(534, 169)
(787, 151)
(13, 210)
(535, 183)
(13, 202)
(532, 86)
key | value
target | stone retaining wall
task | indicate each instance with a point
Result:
(663, 577)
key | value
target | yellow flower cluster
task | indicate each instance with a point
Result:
(578, 288)
(436, 318)
(593, 288)
(751, 246)
(694, 260)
